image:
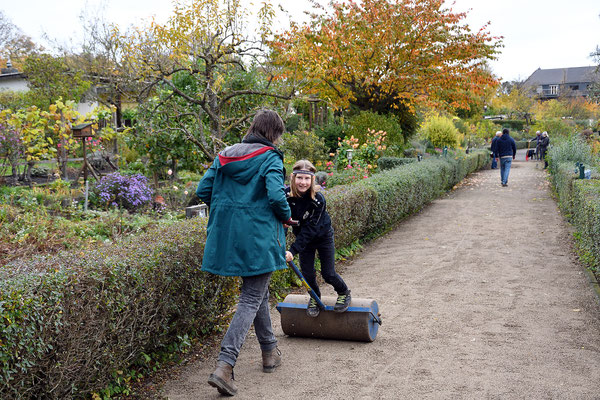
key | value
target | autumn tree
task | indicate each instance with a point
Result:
(30, 129)
(576, 108)
(515, 100)
(203, 42)
(99, 60)
(50, 78)
(389, 55)
(14, 44)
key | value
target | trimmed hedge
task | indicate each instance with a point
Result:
(373, 205)
(385, 163)
(579, 199)
(562, 176)
(70, 321)
(586, 218)
(348, 206)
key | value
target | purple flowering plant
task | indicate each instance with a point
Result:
(123, 191)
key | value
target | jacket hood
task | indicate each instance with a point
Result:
(242, 160)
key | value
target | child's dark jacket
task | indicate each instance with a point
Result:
(314, 221)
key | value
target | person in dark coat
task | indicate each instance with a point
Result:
(505, 150)
(536, 140)
(544, 143)
(492, 148)
(244, 189)
(314, 234)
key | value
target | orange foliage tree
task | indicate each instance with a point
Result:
(203, 44)
(389, 55)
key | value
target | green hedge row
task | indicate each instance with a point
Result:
(373, 205)
(385, 163)
(579, 199)
(70, 321)
(586, 218)
(562, 176)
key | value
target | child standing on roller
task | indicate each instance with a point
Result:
(313, 233)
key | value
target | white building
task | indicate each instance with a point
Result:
(13, 80)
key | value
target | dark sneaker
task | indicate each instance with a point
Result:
(271, 360)
(343, 302)
(313, 308)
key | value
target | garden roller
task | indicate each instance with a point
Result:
(359, 323)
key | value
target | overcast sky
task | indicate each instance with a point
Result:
(537, 33)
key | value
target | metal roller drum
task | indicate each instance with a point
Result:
(359, 323)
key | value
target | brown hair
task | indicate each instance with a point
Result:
(303, 165)
(266, 124)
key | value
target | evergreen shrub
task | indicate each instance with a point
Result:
(579, 199)
(360, 124)
(440, 131)
(379, 202)
(586, 218)
(303, 145)
(70, 321)
(350, 209)
(385, 163)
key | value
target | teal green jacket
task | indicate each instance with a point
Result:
(244, 189)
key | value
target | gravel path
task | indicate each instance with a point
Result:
(481, 298)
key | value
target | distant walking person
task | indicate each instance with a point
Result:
(494, 159)
(544, 142)
(505, 149)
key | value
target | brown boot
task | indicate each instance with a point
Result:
(222, 379)
(271, 359)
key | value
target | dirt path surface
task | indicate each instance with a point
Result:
(481, 298)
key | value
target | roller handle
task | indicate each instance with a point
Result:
(306, 285)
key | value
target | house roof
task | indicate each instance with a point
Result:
(562, 76)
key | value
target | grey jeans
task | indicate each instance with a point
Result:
(253, 307)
